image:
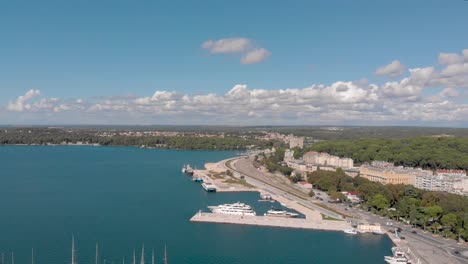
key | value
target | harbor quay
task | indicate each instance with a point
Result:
(299, 223)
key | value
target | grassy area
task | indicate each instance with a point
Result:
(216, 175)
(333, 210)
(326, 217)
(240, 182)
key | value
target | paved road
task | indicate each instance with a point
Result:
(245, 168)
(448, 247)
(454, 251)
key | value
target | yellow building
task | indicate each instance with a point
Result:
(389, 175)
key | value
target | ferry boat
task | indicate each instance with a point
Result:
(351, 231)
(209, 187)
(398, 257)
(187, 169)
(233, 209)
(280, 213)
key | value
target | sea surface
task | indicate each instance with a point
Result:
(124, 197)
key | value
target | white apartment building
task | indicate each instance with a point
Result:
(296, 141)
(452, 181)
(325, 159)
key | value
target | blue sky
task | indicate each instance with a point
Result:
(74, 50)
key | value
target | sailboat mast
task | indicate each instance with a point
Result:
(142, 260)
(12, 258)
(3, 258)
(152, 256)
(73, 250)
(97, 253)
(165, 254)
(32, 255)
(134, 258)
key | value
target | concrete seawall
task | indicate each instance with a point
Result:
(298, 223)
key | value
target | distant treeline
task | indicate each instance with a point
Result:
(347, 132)
(425, 152)
(43, 136)
(437, 212)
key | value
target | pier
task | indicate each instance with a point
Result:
(298, 223)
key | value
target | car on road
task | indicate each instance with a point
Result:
(414, 232)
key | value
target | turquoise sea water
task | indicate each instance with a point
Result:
(123, 197)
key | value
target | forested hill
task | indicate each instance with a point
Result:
(425, 152)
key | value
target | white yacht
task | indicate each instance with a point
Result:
(233, 209)
(351, 231)
(398, 257)
(378, 232)
(280, 213)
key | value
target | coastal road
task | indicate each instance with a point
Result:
(243, 166)
(431, 249)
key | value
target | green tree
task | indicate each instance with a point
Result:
(379, 202)
(449, 221)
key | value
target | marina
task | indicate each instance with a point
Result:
(158, 199)
(296, 223)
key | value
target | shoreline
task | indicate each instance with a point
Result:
(215, 173)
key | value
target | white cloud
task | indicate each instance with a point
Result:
(394, 69)
(21, 103)
(341, 102)
(255, 56)
(449, 92)
(227, 45)
(244, 46)
(450, 58)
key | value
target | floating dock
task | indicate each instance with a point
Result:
(299, 223)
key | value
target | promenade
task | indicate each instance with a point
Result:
(299, 223)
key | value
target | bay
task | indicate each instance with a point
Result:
(123, 197)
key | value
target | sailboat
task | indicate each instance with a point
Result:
(142, 260)
(165, 255)
(73, 251)
(97, 254)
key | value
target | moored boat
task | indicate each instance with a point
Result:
(351, 231)
(187, 169)
(378, 232)
(280, 213)
(233, 209)
(399, 257)
(209, 187)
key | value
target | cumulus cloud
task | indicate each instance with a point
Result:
(450, 58)
(350, 102)
(250, 53)
(394, 69)
(255, 56)
(227, 45)
(22, 102)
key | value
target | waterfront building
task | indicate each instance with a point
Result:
(387, 173)
(325, 159)
(369, 228)
(288, 155)
(296, 141)
(352, 197)
(452, 181)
